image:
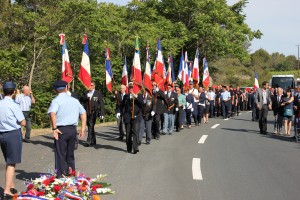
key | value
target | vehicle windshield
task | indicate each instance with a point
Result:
(283, 82)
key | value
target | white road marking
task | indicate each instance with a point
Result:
(202, 139)
(196, 169)
(240, 113)
(249, 111)
(226, 119)
(215, 126)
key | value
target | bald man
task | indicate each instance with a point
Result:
(25, 100)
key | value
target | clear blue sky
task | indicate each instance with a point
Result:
(278, 20)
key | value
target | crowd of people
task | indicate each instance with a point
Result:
(151, 113)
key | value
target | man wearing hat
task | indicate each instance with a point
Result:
(11, 120)
(64, 111)
(94, 106)
(195, 94)
(131, 106)
(169, 113)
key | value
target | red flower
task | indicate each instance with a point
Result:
(51, 179)
(57, 198)
(46, 182)
(73, 173)
(99, 185)
(57, 188)
(94, 188)
(30, 186)
(41, 193)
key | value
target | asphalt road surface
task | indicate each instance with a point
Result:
(221, 160)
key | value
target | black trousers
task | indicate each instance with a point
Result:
(91, 121)
(132, 135)
(157, 125)
(200, 113)
(262, 117)
(28, 124)
(178, 116)
(64, 150)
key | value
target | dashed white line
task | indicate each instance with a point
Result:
(202, 139)
(226, 119)
(215, 126)
(196, 169)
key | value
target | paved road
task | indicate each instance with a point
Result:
(235, 163)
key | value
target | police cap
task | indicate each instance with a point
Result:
(9, 85)
(59, 84)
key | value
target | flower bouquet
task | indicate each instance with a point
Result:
(78, 187)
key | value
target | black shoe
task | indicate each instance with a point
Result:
(163, 133)
(135, 151)
(177, 130)
(13, 191)
(8, 197)
(147, 143)
(26, 140)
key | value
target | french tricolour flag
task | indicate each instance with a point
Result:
(147, 74)
(256, 85)
(124, 80)
(181, 71)
(196, 68)
(170, 73)
(108, 71)
(205, 81)
(186, 71)
(136, 72)
(159, 67)
(66, 70)
(85, 67)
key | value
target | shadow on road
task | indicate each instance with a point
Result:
(22, 175)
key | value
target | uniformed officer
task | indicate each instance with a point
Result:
(94, 105)
(132, 113)
(119, 97)
(226, 102)
(160, 106)
(11, 120)
(64, 111)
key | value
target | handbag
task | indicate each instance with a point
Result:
(288, 112)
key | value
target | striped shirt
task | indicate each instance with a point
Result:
(24, 102)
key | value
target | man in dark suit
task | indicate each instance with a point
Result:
(119, 97)
(277, 110)
(160, 105)
(263, 104)
(169, 113)
(131, 106)
(148, 113)
(94, 105)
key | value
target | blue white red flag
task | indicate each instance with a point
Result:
(108, 71)
(256, 85)
(147, 74)
(136, 72)
(66, 71)
(186, 71)
(205, 80)
(124, 80)
(195, 73)
(159, 67)
(181, 72)
(170, 73)
(85, 67)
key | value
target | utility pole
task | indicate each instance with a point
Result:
(298, 59)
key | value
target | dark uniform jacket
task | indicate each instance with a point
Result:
(96, 103)
(160, 102)
(118, 99)
(171, 102)
(148, 106)
(127, 108)
(276, 105)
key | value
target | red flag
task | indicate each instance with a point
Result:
(85, 67)
(66, 71)
(196, 68)
(136, 72)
